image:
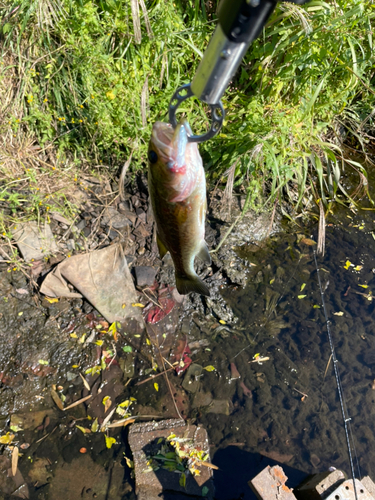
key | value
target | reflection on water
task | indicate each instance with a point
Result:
(294, 414)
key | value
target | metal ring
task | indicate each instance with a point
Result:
(217, 113)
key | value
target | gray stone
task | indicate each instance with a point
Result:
(145, 275)
(113, 218)
(191, 380)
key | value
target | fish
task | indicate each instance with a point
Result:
(177, 188)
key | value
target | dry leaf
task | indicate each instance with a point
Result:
(14, 460)
(308, 241)
(85, 383)
(57, 400)
(121, 423)
(107, 403)
(340, 313)
(76, 403)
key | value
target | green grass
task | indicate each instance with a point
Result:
(81, 81)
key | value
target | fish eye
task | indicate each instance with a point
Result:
(152, 156)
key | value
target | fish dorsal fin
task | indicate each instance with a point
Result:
(162, 248)
(204, 254)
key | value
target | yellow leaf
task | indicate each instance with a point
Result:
(83, 429)
(124, 404)
(347, 264)
(256, 355)
(272, 281)
(107, 403)
(7, 439)
(82, 339)
(129, 462)
(183, 480)
(363, 286)
(148, 341)
(95, 426)
(301, 296)
(209, 368)
(340, 313)
(99, 342)
(358, 268)
(50, 300)
(316, 306)
(302, 287)
(74, 335)
(75, 366)
(222, 322)
(156, 385)
(137, 304)
(109, 441)
(110, 95)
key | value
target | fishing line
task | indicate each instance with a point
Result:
(344, 410)
(271, 312)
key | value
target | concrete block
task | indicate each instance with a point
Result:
(319, 486)
(270, 484)
(155, 485)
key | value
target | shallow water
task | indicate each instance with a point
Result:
(277, 312)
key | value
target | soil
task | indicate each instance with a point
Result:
(264, 304)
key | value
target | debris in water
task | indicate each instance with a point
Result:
(14, 460)
(57, 400)
(83, 450)
(234, 373)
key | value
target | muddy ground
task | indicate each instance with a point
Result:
(250, 363)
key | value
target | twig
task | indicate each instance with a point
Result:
(154, 376)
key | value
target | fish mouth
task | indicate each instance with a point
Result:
(171, 143)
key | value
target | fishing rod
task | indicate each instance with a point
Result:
(240, 23)
(344, 412)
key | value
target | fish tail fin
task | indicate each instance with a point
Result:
(186, 284)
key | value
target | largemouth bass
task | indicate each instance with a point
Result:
(177, 187)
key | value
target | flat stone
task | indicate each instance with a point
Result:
(143, 439)
(191, 380)
(34, 241)
(111, 217)
(220, 406)
(145, 275)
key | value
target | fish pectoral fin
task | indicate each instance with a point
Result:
(162, 248)
(204, 254)
(187, 284)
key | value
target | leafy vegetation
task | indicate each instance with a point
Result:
(92, 77)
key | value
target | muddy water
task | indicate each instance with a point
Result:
(293, 412)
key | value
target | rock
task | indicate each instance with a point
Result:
(270, 484)
(113, 218)
(34, 241)
(39, 472)
(221, 406)
(191, 380)
(145, 275)
(314, 460)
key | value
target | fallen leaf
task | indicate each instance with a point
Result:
(14, 460)
(358, 268)
(7, 438)
(302, 296)
(129, 462)
(137, 304)
(51, 300)
(302, 287)
(209, 368)
(340, 313)
(316, 306)
(95, 426)
(156, 385)
(308, 241)
(121, 423)
(57, 400)
(222, 322)
(85, 383)
(107, 403)
(76, 403)
(109, 441)
(182, 480)
(43, 362)
(74, 335)
(83, 429)
(348, 264)
(363, 286)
